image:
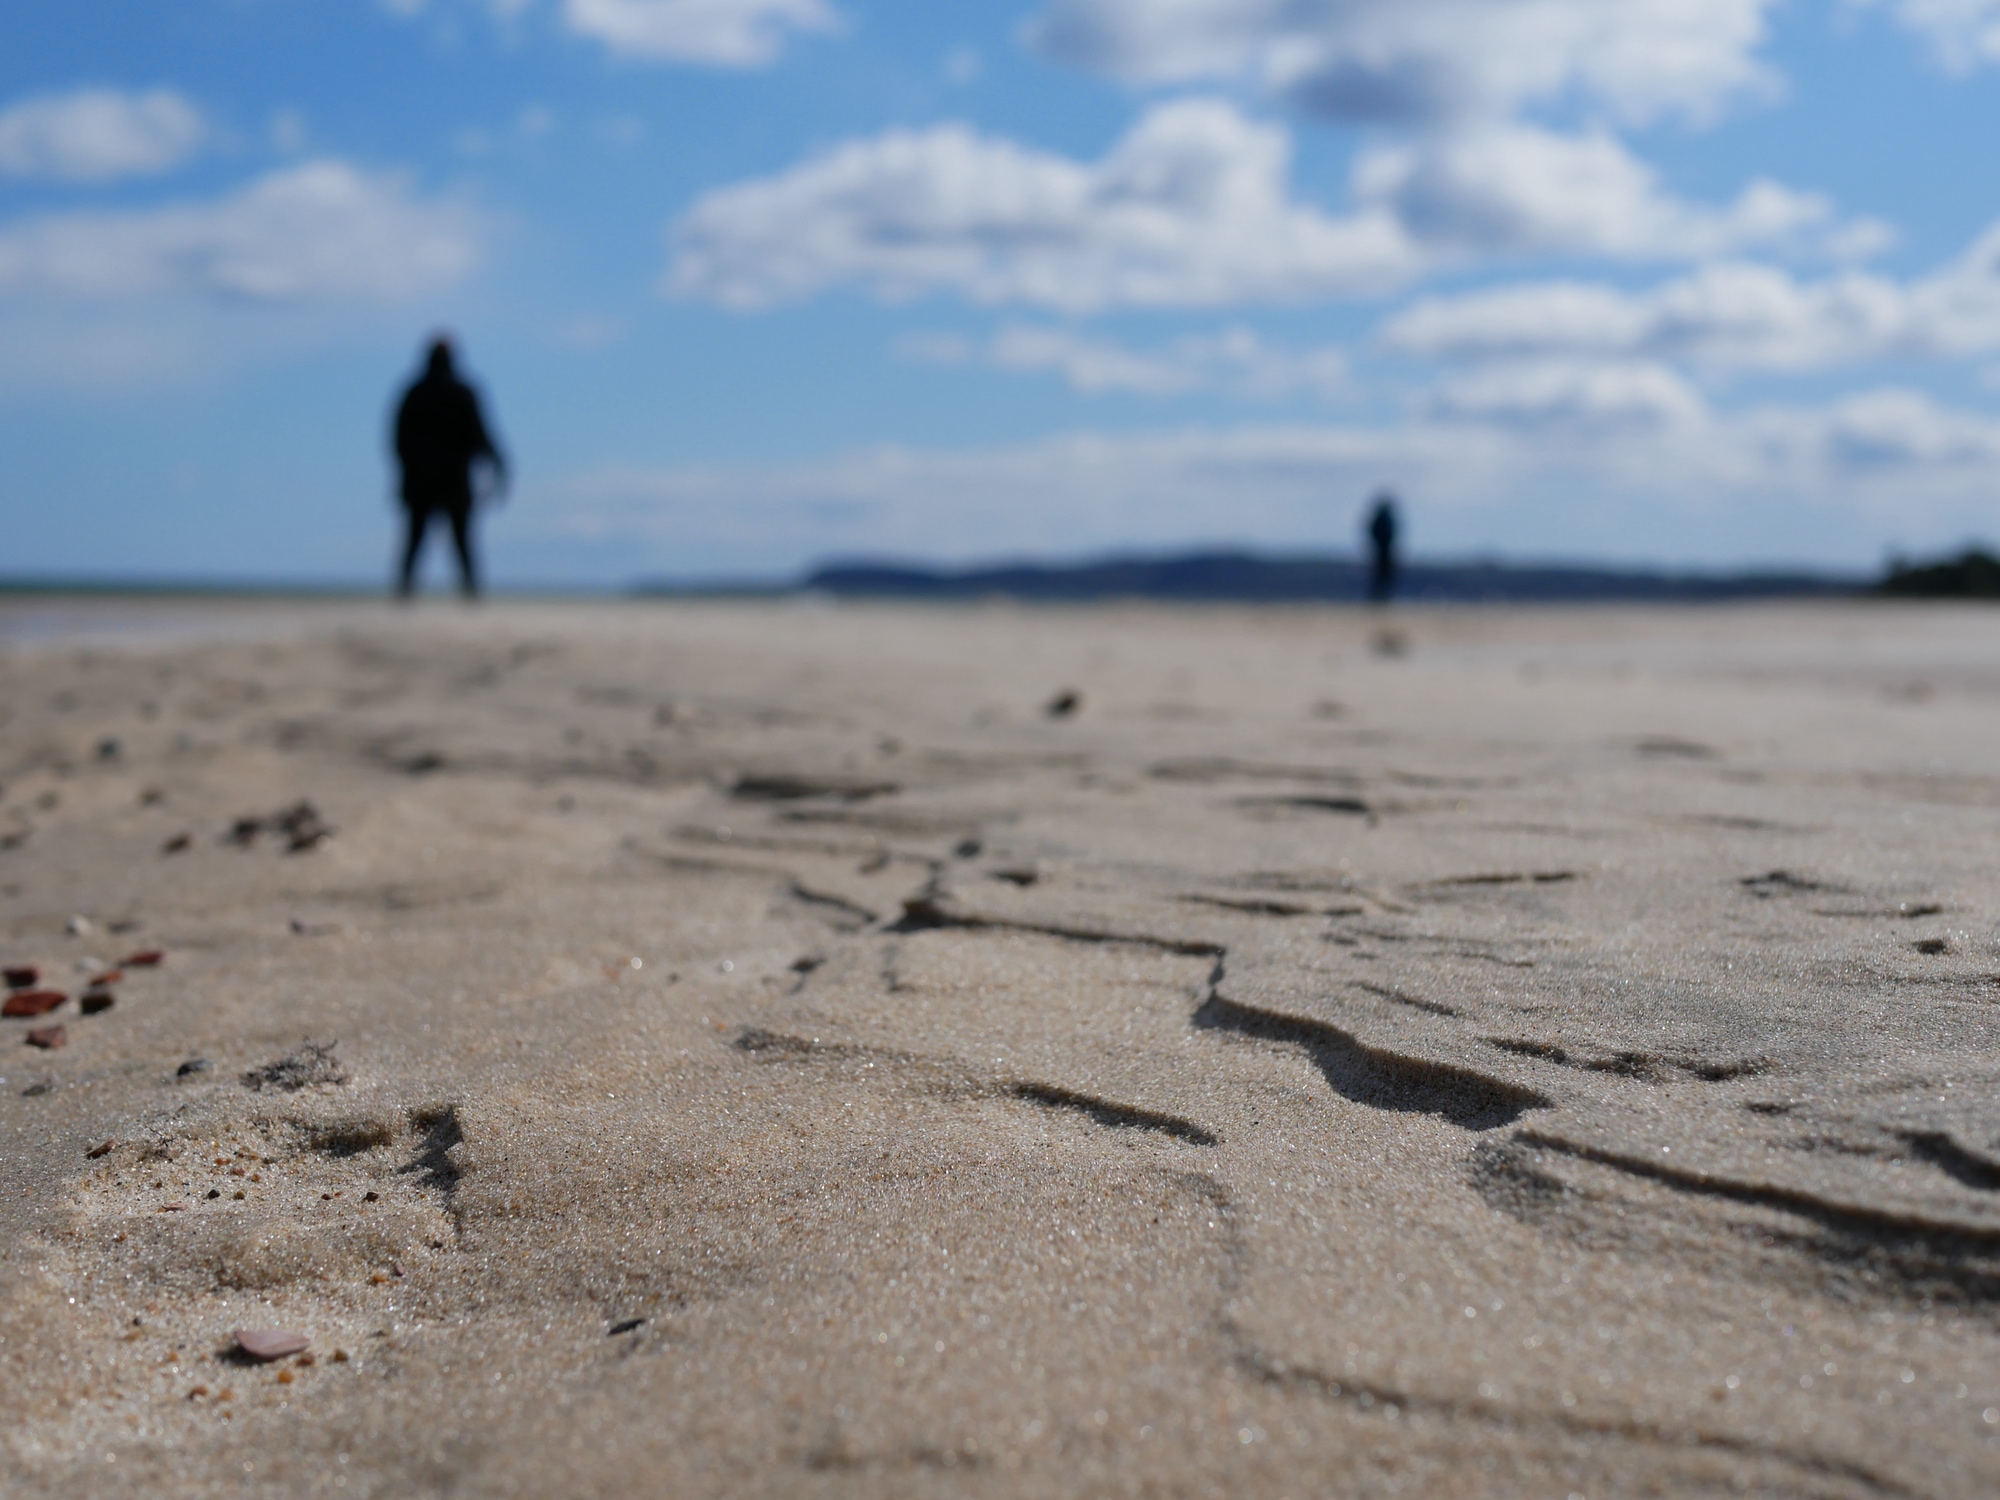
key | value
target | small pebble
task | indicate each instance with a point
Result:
(108, 977)
(628, 1326)
(179, 843)
(104, 1150)
(48, 1038)
(215, 1192)
(23, 977)
(370, 1197)
(145, 958)
(32, 1002)
(96, 1002)
(79, 926)
(271, 1343)
(191, 1067)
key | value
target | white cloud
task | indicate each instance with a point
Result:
(719, 33)
(1193, 207)
(1424, 61)
(320, 231)
(1964, 33)
(1571, 393)
(1521, 189)
(1235, 360)
(99, 135)
(1190, 208)
(1724, 316)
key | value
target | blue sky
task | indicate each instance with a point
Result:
(751, 283)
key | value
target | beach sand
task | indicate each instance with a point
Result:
(765, 1051)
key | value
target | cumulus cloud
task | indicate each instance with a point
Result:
(719, 33)
(316, 232)
(1571, 393)
(1425, 61)
(1519, 189)
(99, 135)
(1234, 359)
(1194, 207)
(1726, 316)
(1964, 33)
(1191, 208)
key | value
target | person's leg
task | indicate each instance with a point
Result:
(461, 537)
(416, 519)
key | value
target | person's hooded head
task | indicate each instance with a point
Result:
(439, 366)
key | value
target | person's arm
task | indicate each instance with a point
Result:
(482, 443)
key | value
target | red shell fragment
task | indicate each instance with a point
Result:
(145, 958)
(271, 1343)
(23, 977)
(109, 976)
(48, 1038)
(32, 1002)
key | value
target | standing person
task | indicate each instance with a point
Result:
(1382, 540)
(440, 434)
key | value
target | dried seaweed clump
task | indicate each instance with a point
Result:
(313, 1063)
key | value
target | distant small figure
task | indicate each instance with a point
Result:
(440, 434)
(1382, 540)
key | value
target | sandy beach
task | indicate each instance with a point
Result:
(726, 1049)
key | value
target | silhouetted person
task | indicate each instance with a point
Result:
(440, 435)
(1382, 541)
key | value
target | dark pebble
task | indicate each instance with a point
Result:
(32, 1002)
(191, 1067)
(630, 1325)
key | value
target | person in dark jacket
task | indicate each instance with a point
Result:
(440, 435)
(1382, 542)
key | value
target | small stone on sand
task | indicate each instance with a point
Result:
(48, 1038)
(32, 1002)
(271, 1343)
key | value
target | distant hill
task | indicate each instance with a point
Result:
(1971, 575)
(1242, 577)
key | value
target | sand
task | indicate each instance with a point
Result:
(765, 1052)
